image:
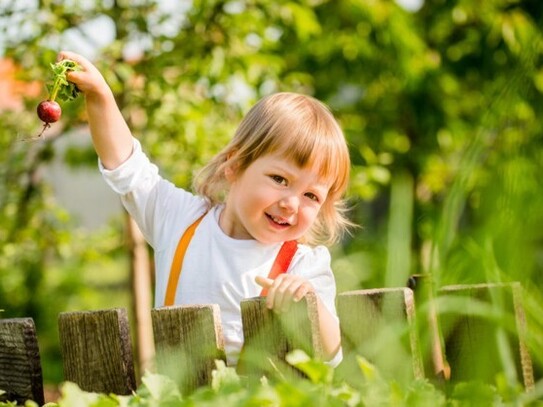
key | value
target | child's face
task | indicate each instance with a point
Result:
(273, 200)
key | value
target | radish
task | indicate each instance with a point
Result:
(49, 111)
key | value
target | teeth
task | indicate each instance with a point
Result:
(277, 220)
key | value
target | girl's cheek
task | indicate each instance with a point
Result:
(309, 215)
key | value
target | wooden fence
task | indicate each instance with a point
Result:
(477, 324)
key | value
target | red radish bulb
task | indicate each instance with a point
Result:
(49, 111)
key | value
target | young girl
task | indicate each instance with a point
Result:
(280, 179)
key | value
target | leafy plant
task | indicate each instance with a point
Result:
(318, 389)
(60, 86)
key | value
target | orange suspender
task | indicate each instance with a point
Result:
(280, 265)
(175, 269)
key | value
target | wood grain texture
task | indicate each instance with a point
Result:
(379, 325)
(188, 340)
(20, 366)
(429, 333)
(269, 337)
(485, 333)
(96, 350)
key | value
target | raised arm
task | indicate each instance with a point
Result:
(111, 136)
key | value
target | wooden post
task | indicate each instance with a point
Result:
(379, 325)
(97, 351)
(188, 340)
(485, 333)
(20, 365)
(269, 336)
(141, 296)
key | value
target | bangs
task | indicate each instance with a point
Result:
(308, 135)
(316, 149)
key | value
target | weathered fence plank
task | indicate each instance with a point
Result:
(482, 332)
(379, 325)
(485, 332)
(96, 350)
(269, 337)
(20, 365)
(188, 340)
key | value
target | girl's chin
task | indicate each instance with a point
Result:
(274, 239)
(266, 238)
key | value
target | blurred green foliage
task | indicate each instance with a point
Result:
(440, 107)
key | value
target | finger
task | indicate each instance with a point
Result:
(83, 62)
(284, 292)
(267, 284)
(263, 281)
(67, 55)
(61, 55)
(76, 77)
(301, 292)
(71, 55)
(73, 76)
(274, 297)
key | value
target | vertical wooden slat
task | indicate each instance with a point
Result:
(188, 340)
(525, 359)
(142, 297)
(378, 324)
(269, 336)
(96, 350)
(487, 336)
(430, 336)
(20, 366)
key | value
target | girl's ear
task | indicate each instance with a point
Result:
(230, 169)
(230, 174)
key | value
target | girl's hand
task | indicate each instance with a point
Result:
(88, 80)
(111, 136)
(284, 290)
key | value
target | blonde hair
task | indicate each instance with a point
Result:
(301, 129)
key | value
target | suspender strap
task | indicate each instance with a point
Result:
(177, 263)
(282, 261)
(280, 265)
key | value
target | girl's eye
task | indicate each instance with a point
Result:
(312, 196)
(279, 179)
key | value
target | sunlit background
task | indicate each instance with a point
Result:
(440, 103)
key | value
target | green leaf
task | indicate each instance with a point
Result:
(476, 394)
(422, 393)
(224, 378)
(369, 371)
(317, 371)
(345, 393)
(160, 388)
(73, 396)
(59, 86)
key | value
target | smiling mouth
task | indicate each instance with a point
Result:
(277, 221)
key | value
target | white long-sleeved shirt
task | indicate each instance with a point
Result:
(217, 269)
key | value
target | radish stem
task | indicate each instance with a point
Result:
(54, 91)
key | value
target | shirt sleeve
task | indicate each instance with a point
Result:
(315, 265)
(156, 204)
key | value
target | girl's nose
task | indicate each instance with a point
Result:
(289, 203)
